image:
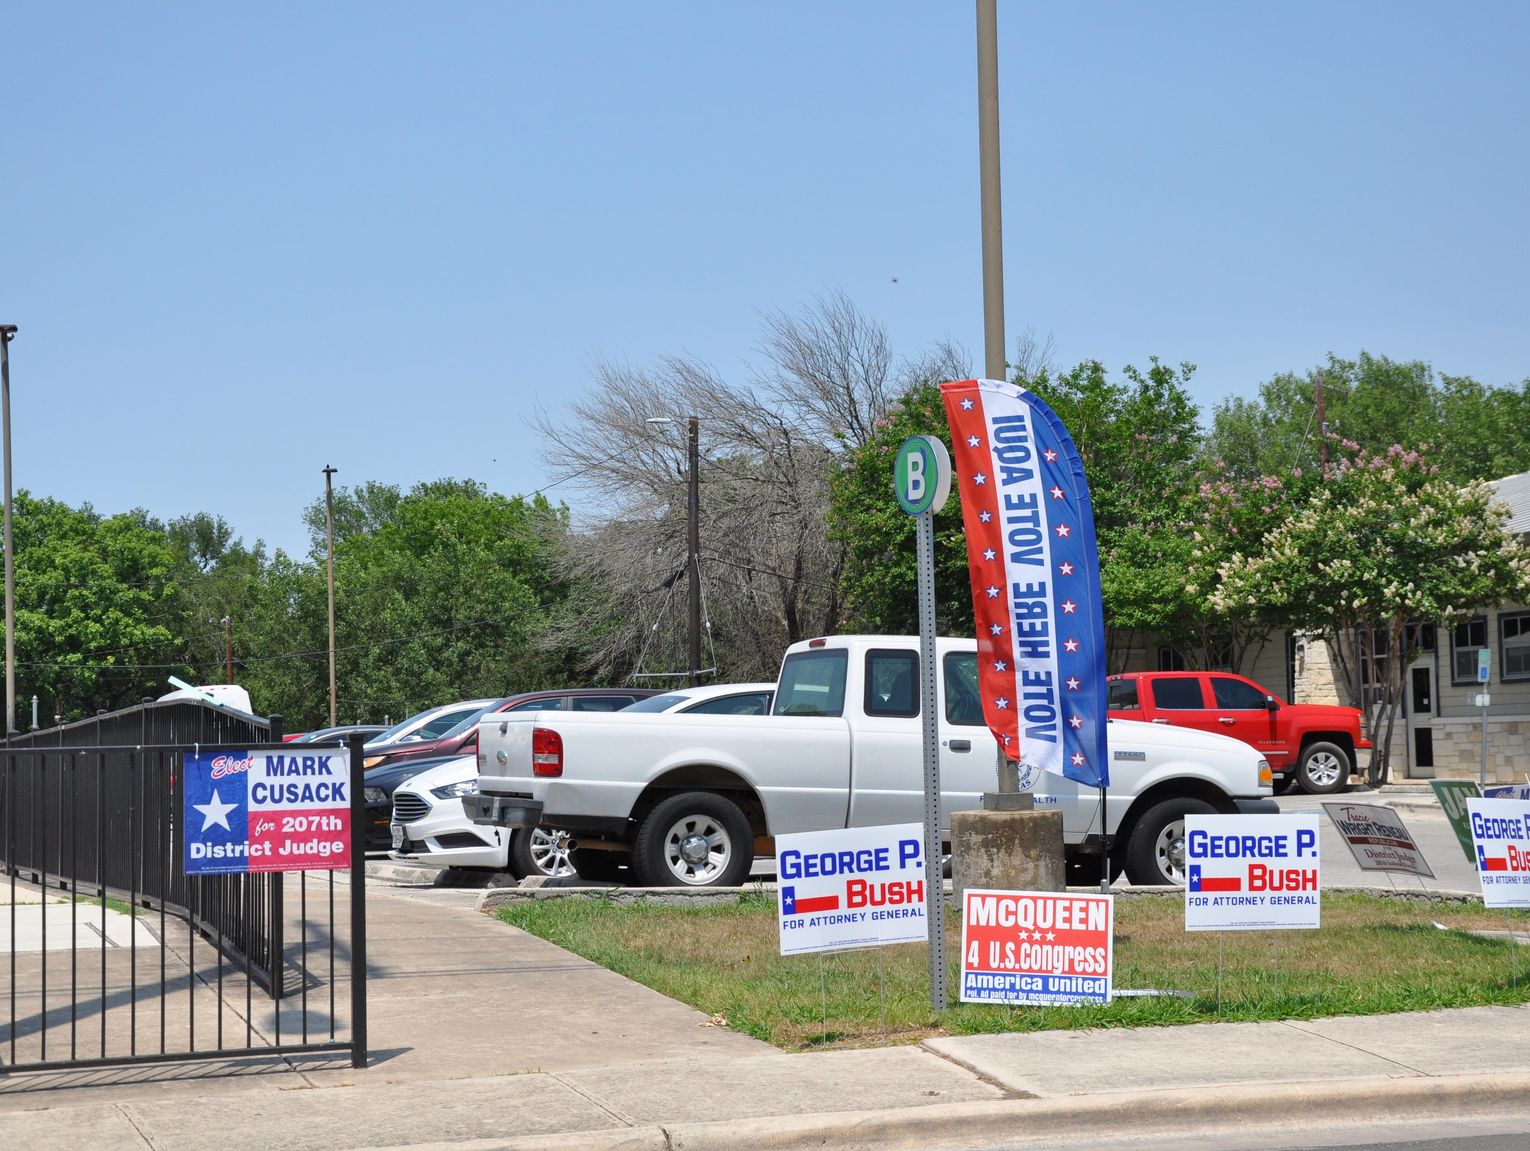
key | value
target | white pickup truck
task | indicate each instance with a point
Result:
(690, 799)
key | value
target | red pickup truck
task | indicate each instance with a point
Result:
(1310, 744)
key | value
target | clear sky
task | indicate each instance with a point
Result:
(246, 241)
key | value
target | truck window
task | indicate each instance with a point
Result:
(1123, 695)
(892, 683)
(1236, 695)
(813, 683)
(1178, 694)
(964, 703)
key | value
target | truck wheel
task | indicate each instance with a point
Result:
(1324, 769)
(694, 839)
(540, 852)
(1155, 853)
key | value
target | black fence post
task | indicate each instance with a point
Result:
(358, 903)
(278, 728)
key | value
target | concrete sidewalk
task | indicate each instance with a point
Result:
(569, 1055)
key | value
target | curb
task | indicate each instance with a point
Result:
(1213, 1110)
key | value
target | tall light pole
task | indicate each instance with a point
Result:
(329, 534)
(228, 638)
(7, 334)
(692, 543)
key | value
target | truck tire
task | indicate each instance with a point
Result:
(694, 839)
(1155, 851)
(1324, 769)
(540, 852)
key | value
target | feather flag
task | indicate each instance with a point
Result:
(1035, 578)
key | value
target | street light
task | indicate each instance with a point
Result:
(7, 334)
(692, 545)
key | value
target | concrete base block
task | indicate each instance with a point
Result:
(1007, 850)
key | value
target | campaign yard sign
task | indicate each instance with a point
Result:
(266, 810)
(850, 888)
(1378, 838)
(1251, 872)
(1036, 948)
(1501, 838)
(1453, 794)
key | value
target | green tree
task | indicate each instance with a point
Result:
(95, 607)
(1386, 541)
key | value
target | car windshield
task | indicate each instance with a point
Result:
(471, 721)
(658, 702)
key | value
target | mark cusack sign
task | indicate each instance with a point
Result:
(856, 887)
(266, 810)
(1501, 837)
(1036, 948)
(1251, 872)
(1378, 838)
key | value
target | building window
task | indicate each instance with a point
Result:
(1466, 640)
(1514, 640)
(1170, 660)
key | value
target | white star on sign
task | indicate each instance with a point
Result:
(1070, 645)
(1001, 703)
(1078, 759)
(1000, 665)
(966, 405)
(1066, 569)
(993, 593)
(980, 479)
(215, 812)
(1069, 607)
(989, 553)
(1057, 493)
(1073, 683)
(1050, 456)
(1075, 721)
(996, 629)
(1064, 531)
(973, 441)
(984, 517)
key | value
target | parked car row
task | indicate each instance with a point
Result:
(430, 826)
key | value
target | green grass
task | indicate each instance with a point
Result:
(1373, 954)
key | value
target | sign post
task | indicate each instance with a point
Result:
(1483, 699)
(922, 481)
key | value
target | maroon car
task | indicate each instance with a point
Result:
(463, 739)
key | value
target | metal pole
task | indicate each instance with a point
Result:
(934, 854)
(228, 640)
(988, 177)
(358, 904)
(693, 553)
(7, 334)
(329, 534)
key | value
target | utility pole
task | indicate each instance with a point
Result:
(1322, 418)
(693, 553)
(329, 533)
(7, 334)
(228, 639)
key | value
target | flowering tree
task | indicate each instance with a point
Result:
(1383, 542)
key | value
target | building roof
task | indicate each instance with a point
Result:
(1515, 491)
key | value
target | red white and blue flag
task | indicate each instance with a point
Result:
(1035, 578)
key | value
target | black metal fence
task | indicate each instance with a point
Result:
(92, 810)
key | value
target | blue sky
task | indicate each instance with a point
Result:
(244, 242)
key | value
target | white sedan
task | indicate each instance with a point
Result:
(429, 825)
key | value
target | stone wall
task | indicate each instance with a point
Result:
(1458, 749)
(1317, 678)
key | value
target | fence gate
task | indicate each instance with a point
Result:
(114, 955)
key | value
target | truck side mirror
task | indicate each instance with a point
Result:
(1269, 702)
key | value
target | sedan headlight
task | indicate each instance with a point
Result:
(455, 790)
(375, 795)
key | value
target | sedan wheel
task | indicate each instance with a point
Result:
(541, 852)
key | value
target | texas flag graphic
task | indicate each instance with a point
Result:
(1198, 882)
(791, 905)
(1486, 862)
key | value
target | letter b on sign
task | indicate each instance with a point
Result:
(922, 475)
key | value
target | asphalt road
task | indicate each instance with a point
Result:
(1431, 831)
